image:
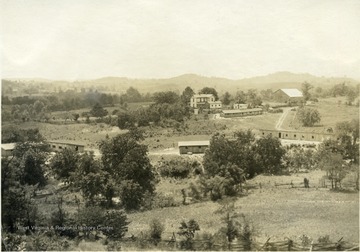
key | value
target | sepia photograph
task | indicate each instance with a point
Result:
(178, 125)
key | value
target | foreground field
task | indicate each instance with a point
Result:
(276, 212)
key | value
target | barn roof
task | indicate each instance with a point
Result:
(292, 92)
(8, 146)
(65, 142)
(194, 143)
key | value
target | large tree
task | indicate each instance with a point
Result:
(126, 160)
(168, 97)
(186, 95)
(89, 177)
(226, 98)
(305, 87)
(308, 116)
(64, 164)
(209, 90)
(98, 111)
(348, 134)
(269, 155)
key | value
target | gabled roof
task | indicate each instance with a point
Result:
(8, 146)
(203, 95)
(292, 92)
(65, 142)
(194, 143)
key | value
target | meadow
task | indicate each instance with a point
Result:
(276, 212)
(331, 111)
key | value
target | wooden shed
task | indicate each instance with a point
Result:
(193, 147)
(7, 149)
(241, 112)
(297, 135)
(62, 145)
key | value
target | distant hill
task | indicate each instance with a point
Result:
(196, 82)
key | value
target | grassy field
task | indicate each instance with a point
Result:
(275, 212)
(331, 113)
(87, 134)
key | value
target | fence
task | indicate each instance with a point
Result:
(239, 245)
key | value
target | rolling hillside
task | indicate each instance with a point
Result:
(196, 82)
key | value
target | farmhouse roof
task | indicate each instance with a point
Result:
(234, 111)
(202, 95)
(8, 146)
(194, 143)
(292, 92)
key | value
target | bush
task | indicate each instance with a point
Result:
(179, 168)
(195, 192)
(156, 230)
(115, 224)
(158, 200)
(175, 171)
(131, 195)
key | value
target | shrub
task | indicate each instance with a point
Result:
(179, 168)
(115, 224)
(131, 195)
(156, 230)
(195, 192)
(158, 200)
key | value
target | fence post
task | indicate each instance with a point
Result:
(290, 244)
(265, 243)
(338, 244)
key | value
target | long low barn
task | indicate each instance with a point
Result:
(58, 146)
(297, 135)
(242, 112)
(193, 147)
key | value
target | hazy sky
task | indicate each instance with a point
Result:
(66, 39)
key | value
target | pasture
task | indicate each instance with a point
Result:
(275, 211)
(331, 111)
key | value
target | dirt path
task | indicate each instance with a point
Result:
(281, 120)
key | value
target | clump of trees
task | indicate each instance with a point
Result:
(340, 157)
(308, 116)
(168, 109)
(124, 171)
(178, 168)
(229, 162)
(98, 111)
(251, 97)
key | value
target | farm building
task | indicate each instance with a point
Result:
(241, 112)
(298, 135)
(240, 106)
(58, 146)
(201, 99)
(7, 149)
(193, 147)
(215, 105)
(289, 96)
